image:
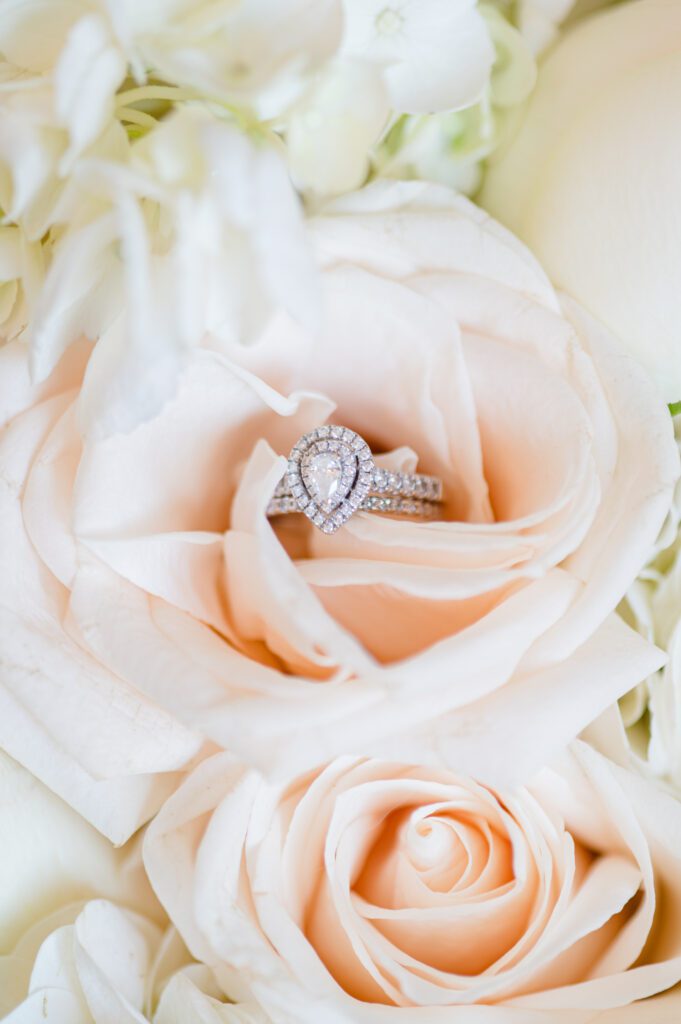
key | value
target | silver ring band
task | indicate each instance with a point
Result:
(331, 475)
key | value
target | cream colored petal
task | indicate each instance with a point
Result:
(177, 473)
(487, 738)
(48, 494)
(46, 675)
(409, 386)
(113, 954)
(466, 241)
(269, 599)
(45, 880)
(622, 112)
(619, 543)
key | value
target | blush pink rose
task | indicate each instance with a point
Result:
(370, 892)
(150, 608)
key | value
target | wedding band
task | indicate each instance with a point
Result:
(331, 475)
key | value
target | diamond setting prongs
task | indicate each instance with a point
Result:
(329, 475)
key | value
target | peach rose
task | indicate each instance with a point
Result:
(83, 940)
(159, 608)
(376, 892)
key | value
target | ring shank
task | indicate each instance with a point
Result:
(407, 494)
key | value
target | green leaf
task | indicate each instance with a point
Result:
(675, 408)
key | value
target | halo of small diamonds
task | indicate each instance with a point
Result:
(330, 471)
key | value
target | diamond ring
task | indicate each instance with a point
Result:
(331, 475)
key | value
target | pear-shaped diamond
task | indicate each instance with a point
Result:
(322, 476)
(329, 474)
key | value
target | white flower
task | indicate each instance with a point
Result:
(84, 940)
(252, 52)
(651, 713)
(86, 77)
(99, 962)
(21, 275)
(330, 135)
(202, 232)
(161, 225)
(48, 120)
(409, 56)
(193, 995)
(449, 147)
(53, 856)
(374, 892)
(192, 228)
(591, 181)
(88, 963)
(436, 54)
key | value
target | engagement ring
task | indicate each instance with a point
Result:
(332, 474)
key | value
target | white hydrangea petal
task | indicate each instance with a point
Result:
(437, 54)
(83, 263)
(281, 245)
(137, 361)
(515, 71)
(453, 78)
(256, 52)
(87, 75)
(29, 150)
(329, 135)
(32, 34)
(202, 232)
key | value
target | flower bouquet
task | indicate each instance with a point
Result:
(340, 603)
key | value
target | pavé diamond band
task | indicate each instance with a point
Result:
(332, 474)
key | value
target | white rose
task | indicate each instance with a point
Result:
(86, 964)
(51, 859)
(50, 856)
(99, 962)
(192, 994)
(83, 939)
(651, 712)
(591, 180)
